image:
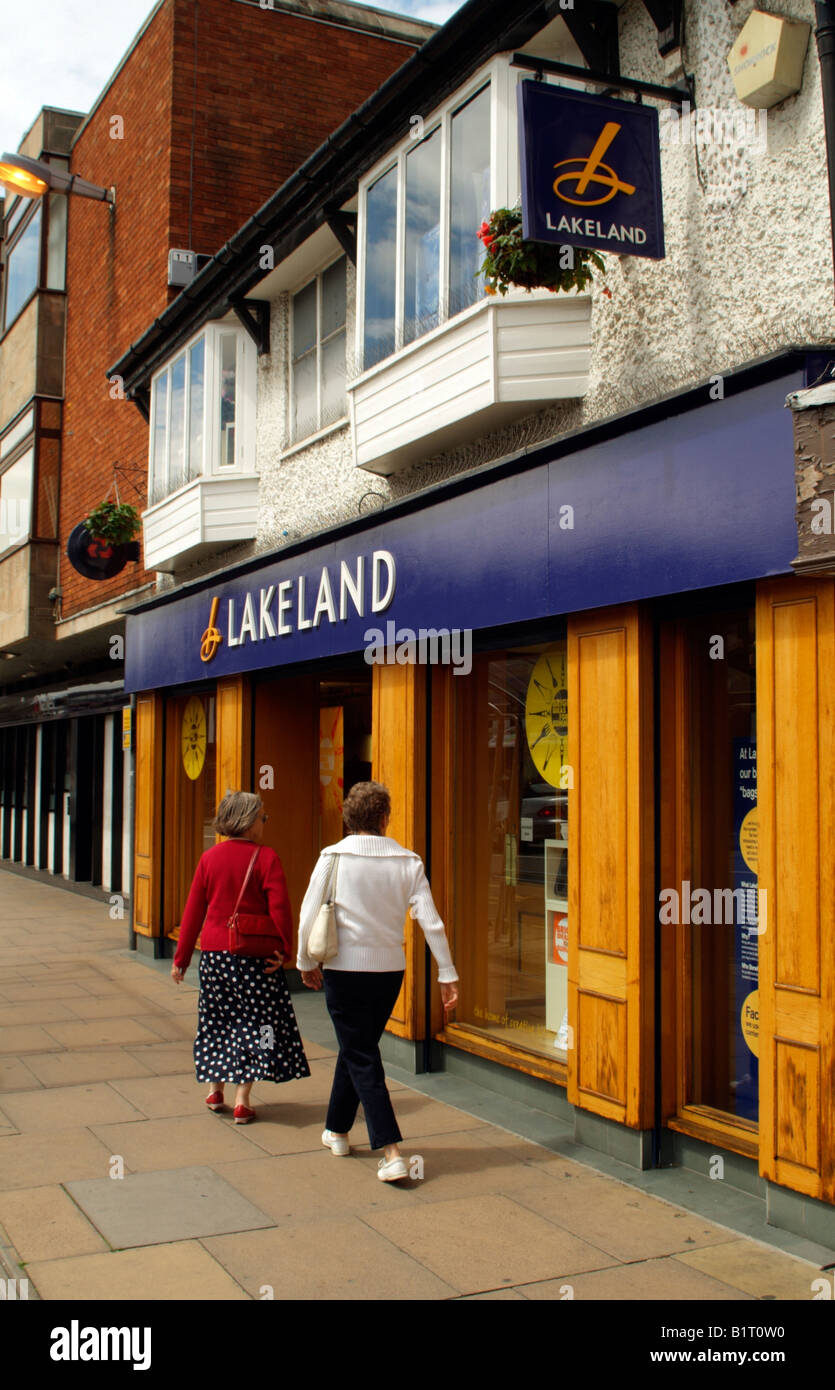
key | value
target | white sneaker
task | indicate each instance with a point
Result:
(392, 1170)
(336, 1143)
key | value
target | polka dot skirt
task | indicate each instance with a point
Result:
(246, 1024)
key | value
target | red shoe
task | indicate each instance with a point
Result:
(215, 1101)
(243, 1115)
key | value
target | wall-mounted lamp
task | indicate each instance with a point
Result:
(32, 178)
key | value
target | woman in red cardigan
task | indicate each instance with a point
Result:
(246, 1024)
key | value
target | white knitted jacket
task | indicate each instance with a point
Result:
(377, 880)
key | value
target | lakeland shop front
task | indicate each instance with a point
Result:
(622, 792)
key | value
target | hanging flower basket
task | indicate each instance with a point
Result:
(102, 544)
(511, 261)
(117, 522)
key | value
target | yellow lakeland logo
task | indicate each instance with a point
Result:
(592, 171)
(212, 637)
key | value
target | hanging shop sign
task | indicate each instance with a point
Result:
(591, 171)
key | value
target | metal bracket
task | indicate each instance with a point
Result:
(611, 81)
(344, 227)
(595, 32)
(667, 16)
(254, 314)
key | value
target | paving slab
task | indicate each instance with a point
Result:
(486, 1242)
(419, 1115)
(163, 1058)
(51, 1156)
(26, 1037)
(338, 1259)
(756, 1269)
(41, 1011)
(158, 1097)
(57, 989)
(44, 1223)
(91, 1103)
(313, 1186)
(160, 1273)
(627, 1224)
(96, 1006)
(663, 1281)
(172, 1204)
(101, 1032)
(15, 1075)
(194, 1139)
(67, 1068)
(463, 1164)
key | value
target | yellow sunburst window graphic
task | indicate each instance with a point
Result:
(546, 714)
(193, 738)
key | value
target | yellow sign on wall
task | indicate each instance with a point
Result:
(193, 738)
(546, 715)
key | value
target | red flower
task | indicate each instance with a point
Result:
(484, 235)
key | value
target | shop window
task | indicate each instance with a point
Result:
(16, 500)
(23, 266)
(709, 907)
(318, 353)
(202, 412)
(421, 217)
(510, 894)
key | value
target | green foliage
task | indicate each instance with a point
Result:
(530, 265)
(117, 522)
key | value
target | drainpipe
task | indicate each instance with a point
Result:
(825, 36)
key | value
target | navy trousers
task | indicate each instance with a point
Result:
(360, 1004)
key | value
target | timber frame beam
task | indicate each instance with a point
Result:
(668, 18)
(595, 31)
(254, 314)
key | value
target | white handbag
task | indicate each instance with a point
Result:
(323, 944)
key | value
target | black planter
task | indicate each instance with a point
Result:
(98, 559)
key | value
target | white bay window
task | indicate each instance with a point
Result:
(202, 411)
(203, 487)
(439, 361)
(421, 220)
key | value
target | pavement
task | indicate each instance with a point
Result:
(117, 1183)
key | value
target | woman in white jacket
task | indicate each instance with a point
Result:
(376, 881)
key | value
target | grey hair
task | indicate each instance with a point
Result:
(237, 813)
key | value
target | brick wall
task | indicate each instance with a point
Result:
(254, 92)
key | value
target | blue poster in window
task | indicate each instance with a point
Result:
(591, 171)
(750, 920)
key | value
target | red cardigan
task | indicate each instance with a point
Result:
(214, 892)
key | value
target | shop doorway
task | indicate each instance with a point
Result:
(311, 743)
(709, 909)
(190, 796)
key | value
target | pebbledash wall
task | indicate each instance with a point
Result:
(679, 460)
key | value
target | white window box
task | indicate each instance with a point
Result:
(203, 516)
(489, 365)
